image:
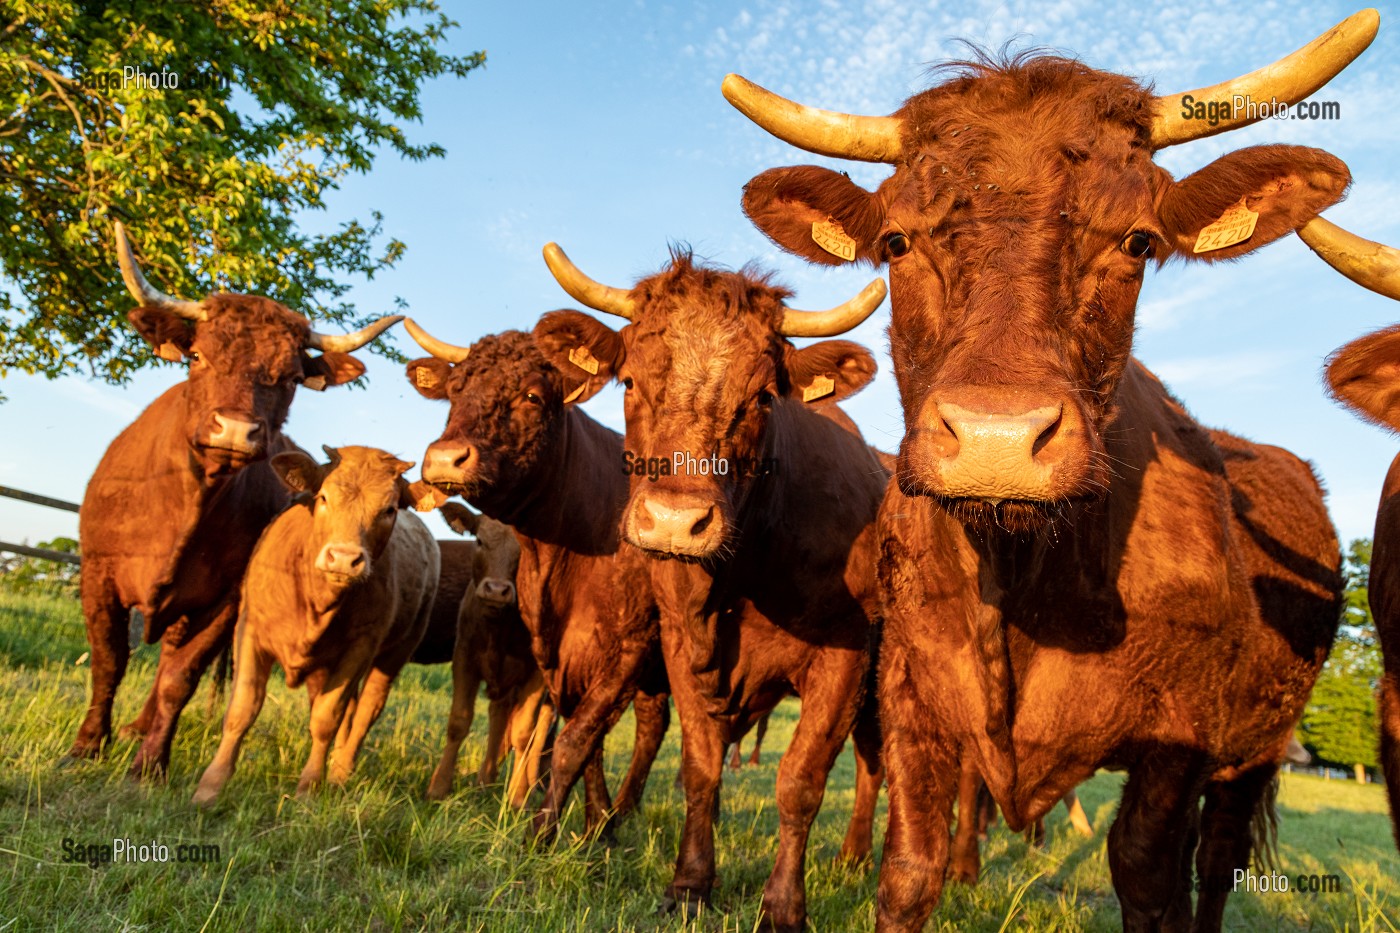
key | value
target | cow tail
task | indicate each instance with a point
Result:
(1263, 828)
(223, 664)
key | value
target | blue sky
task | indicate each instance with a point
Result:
(601, 126)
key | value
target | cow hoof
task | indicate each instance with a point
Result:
(767, 924)
(854, 860)
(436, 792)
(689, 903)
(131, 732)
(962, 876)
(204, 799)
(143, 772)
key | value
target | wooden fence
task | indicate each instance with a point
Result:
(25, 549)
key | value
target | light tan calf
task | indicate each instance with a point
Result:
(338, 593)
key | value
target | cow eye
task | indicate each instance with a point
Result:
(627, 382)
(897, 244)
(1137, 244)
(533, 398)
(765, 397)
(195, 357)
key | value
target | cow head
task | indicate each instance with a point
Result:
(1023, 211)
(354, 501)
(506, 417)
(706, 362)
(497, 555)
(246, 356)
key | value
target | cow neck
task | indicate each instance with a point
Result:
(574, 499)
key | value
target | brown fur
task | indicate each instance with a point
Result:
(784, 599)
(343, 633)
(1184, 580)
(551, 473)
(1365, 376)
(168, 521)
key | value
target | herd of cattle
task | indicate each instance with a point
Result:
(1060, 571)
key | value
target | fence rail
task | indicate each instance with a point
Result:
(50, 502)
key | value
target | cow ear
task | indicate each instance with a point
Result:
(817, 214)
(1364, 375)
(1285, 186)
(585, 350)
(420, 496)
(298, 471)
(172, 336)
(460, 518)
(329, 369)
(829, 371)
(429, 376)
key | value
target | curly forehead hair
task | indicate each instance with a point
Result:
(685, 280)
(510, 355)
(250, 327)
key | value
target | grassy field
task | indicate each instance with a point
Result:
(375, 856)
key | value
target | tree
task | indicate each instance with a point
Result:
(207, 126)
(1339, 723)
(30, 574)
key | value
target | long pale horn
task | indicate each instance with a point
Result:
(438, 348)
(596, 295)
(1290, 79)
(346, 343)
(825, 132)
(1368, 264)
(146, 293)
(838, 320)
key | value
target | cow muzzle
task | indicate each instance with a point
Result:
(343, 562)
(996, 445)
(676, 524)
(236, 434)
(495, 592)
(452, 465)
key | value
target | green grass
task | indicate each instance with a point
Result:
(376, 856)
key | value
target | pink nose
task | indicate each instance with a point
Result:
(497, 592)
(346, 560)
(679, 524)
(236, 434)
(449, 464)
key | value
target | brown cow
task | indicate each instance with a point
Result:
(518, 449)
(488, 644)
(1131, 590)
(338, 592)
(177, 503)
(1363, 376)
(765, 568)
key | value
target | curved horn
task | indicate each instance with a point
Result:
(838, 320)
(1368, 264)
(347, 343)
(145, 292)
(825, 132)
(1288, 80)
(443, 351)
(596, 295)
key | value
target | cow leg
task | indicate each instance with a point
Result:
(1035, 833)
(583, 735)
(1227, 820)
(141, 725)
(919, 767)
(1077, 817)
(466, 681)
(367, 708)
(597, 800)
(249, 691)
(1389, 710)
(855, 850)
(735, 760)
(192, 647)
(966, 863)
(1149, 846)
(653, 715)
(327, 713)
(531, 722)
(986, 811)
(106, 620)
(759, 732)
(498, 723)
(832, 683)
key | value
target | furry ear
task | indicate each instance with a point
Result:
(1364, 375)
(1285, 185)
(298, 472)
(420, 496)
(460, 518)
(329, 369)
(429, 376)
(829, 371)
(172, 336)
(817, 214)
(585, 350)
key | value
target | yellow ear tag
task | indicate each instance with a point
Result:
(821, 387)
(576, 393)
(829, 235)
(1234, 226)
(584, 360)
(170, 352)
(315, 383)
(425, 504)
(424, 377)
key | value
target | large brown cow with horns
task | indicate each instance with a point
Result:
(179, 499)
(1131, 590)
(763, 562)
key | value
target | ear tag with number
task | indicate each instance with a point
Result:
(315, 383)
(584, 360)
(168, 351)
(830, 236)
(821, 387)
(1234, 226)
